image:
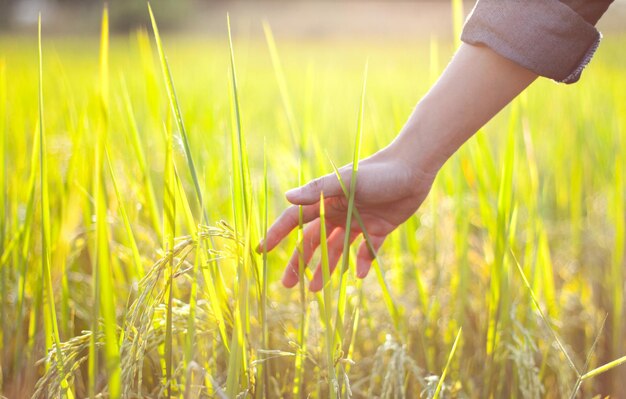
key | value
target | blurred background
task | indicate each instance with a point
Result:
(293, 18)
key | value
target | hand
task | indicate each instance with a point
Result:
(394, 182)
(388, 191)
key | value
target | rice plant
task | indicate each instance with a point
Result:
(138, 175)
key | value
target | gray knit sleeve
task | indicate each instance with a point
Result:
(552, 38)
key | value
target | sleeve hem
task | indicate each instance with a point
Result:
(575, 75)
(544, 36)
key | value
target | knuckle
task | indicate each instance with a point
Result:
(316, 185)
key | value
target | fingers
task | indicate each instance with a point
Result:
(286, 222)
(335, 250)
(310, 241)
(310, 192)
(364, 256)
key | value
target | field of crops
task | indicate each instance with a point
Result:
(137, 177)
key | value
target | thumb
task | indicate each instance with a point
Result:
(310, 192)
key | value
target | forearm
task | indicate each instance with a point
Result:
(475, 86)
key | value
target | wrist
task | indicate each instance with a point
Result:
(421, 144)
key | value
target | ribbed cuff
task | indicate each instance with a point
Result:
(544, 36)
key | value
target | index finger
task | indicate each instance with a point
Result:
(285, 223)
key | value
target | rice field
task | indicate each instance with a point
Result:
(139, 173)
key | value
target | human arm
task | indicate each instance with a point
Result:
(508, 44)
(393, 183)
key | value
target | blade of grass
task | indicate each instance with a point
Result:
(173, 99)
(389, 302)
(604, 368)
(298, 139)
(52, 329)
(589, 355)
(445, 369)
(298, 386)
(238, 142)
(265, 278)
(135, 139)
(341, 302)
(169, 232)
(333, 388)
(294, 129)
(4, 229)
(242, 203)
(104, 292)
(543, 316)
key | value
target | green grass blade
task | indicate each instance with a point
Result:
(604, 368)
(52, 329)
(104, 291)
(135, 139)
(448, 362)
(571, 363)
(341, 302)
(265, 278)
(238, 140)
(389, 302)
(173, 99)
(4, 229)
(294, 128)
(328, 304)
(169, 233)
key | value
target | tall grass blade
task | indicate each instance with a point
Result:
(135, 139)
(341, 302)
(297, 138)
(51, 326)
(169, 232)
(389, 302)
(4, 229)
(570, 362)
(294, 128)
(265, 277)
(173, 99)
(448, 362)
(104, 299)
(241, 167)
(242, 204)
(328, 304)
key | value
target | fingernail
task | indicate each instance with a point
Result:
(259, 247)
